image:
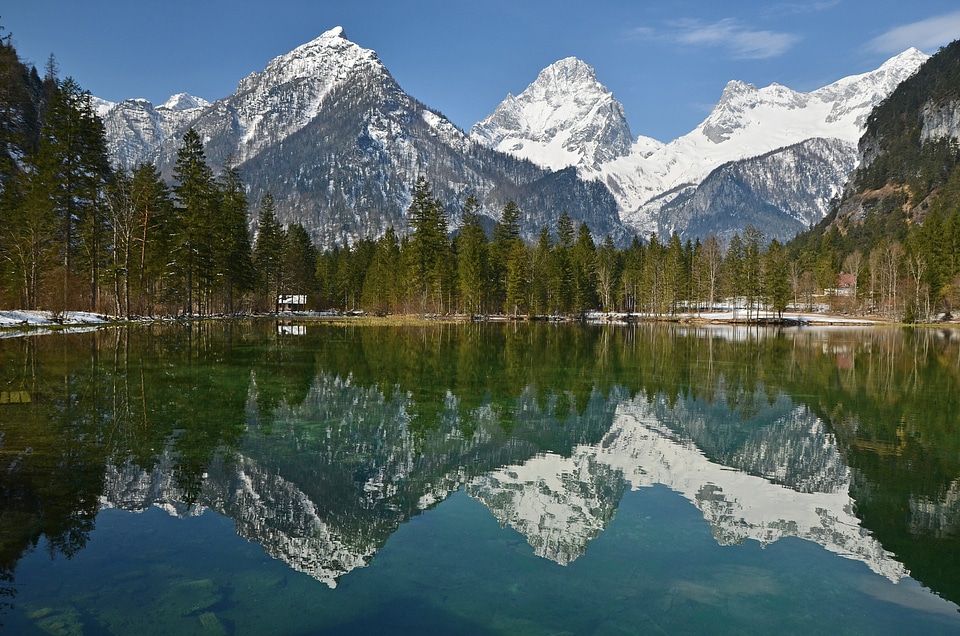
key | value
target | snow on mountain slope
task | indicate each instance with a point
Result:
(747, 122)
(267, 107)
(183, 101)
(565, 118)
(288, 93)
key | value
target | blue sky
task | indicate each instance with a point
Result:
(667, 62)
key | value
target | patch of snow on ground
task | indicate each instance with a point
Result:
(33, 318)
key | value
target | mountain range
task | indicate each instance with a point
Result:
(327, 130)
(772, 156)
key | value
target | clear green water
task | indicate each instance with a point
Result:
(487, 479)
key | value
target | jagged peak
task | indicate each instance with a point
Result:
(184, 101)
(333, 37)
(911, 59)
(329, 57)
(569, 65)
(101, 106)
(569, 76)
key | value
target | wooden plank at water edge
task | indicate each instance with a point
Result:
(14, 397)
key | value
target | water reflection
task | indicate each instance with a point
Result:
(320, 442)
(554, 500)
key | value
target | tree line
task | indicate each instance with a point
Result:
(565, 272)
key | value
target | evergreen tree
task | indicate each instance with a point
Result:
(609, 269)
(71, 172)
(584, 266)
(733, 270)
(506, 234)
(155, 221)
(775, 278)
(193, 244)
(518, 278)
(429, 249)
(561, 277)
(233, 251)
(675, 274)
(268, 252)
(654, 296)
(540, 273)
(632, 279)
(381, 282)
(299, 262)
(752, 271)
(472, 258)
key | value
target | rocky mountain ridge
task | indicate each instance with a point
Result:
(331, 135)
(747, 123)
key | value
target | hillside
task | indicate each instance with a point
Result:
(898, 216)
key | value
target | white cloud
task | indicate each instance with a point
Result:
(926, 35)
(740, 41)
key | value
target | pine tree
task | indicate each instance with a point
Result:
(561, 278)
(733, 270)
(299, 262)
(584, 266)
(517, 280)
(633, 260)
(71, 171)
(156, 227)
(268, 252)
(752, 272)
(540, 268)
(775, 278)
(233, 253)
(381, 282)
(193, 250)
(472, 258)
(506, 235)
(429, 249)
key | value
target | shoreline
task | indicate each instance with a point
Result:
(37, 322)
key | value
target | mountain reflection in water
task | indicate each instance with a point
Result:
(320, 443)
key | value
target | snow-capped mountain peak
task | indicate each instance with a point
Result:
(101, 106)
(749, 122)
(184, 101)
(328, 57)
(565, 117)
(288, 93)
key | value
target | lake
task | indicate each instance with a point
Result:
(277, 477)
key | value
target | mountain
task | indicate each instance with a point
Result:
(908, 158)
(327, 130)
(747, 123)
(565, 118)
(784, 192)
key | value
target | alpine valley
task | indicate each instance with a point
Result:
(331, 135)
